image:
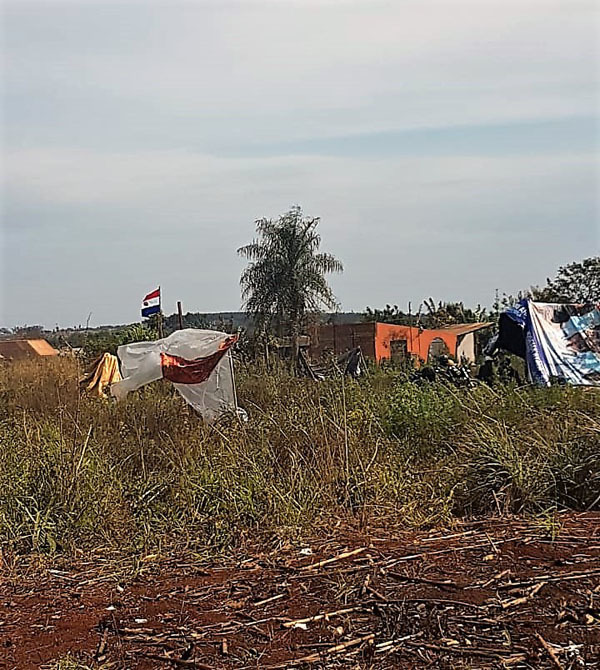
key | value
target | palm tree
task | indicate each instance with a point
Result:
(285, 279)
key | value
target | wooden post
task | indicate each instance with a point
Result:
(230, 356)
(410, 331)
(180, 314)
(160, 315)
(335, 351)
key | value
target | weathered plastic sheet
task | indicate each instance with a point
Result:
(141, 364)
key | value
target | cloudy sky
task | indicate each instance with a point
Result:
(450, 148)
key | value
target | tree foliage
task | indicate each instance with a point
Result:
(575, 283)
(26, 332)
(286, 276)
(449, 313)
(389, 314)
(429, 315)
(98, 342)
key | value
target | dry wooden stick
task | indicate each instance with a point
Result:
(255, 622)
(318, 617)
(350, 643)
(443, 538)
(179, 661)
(495, 578)
(268, 600)
(372, 591)
(437, 601)
(550, 652)
(313, 658)
(102, 646)
(551, 578)
(135, 631)
(390, 645)
(339, 557)
(523, 599)
(469, 651)
(421, 580)
(412, 557)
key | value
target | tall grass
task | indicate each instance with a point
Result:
(79, 472)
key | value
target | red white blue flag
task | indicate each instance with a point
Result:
(151, 303)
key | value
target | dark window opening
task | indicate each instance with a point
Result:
(398, 350)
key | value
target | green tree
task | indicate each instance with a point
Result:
(449, 313)
(429, 315)
(575, 282)
(286, 276)
(389, 314)
(109, 339)
(29, 332)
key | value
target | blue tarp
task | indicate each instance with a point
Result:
(562, 342)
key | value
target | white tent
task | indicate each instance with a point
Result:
(198, 362)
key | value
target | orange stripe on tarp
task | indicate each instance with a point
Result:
(183, 371)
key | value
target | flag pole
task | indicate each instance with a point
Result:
(232, 372)
(160, 320)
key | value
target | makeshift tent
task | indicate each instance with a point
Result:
(103, 372)
(22, 349)
(558, 341)
(198, 362)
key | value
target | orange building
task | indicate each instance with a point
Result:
(381, 341)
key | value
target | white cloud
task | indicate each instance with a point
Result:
(118, 118)
(297, 70)
(63, 177)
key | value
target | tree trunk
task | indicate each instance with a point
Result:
(295, 341)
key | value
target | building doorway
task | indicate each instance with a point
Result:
(437, 348)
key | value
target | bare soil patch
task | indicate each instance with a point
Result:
(490, 594)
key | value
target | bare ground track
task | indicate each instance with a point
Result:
(496, 593)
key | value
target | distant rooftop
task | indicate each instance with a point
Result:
(464, 328)
(19, 349)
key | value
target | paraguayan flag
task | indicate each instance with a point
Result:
(151, 303)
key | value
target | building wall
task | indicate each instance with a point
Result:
(386, 333)
(466, 347)
(339, 339)
(379, 341)
(417, 340)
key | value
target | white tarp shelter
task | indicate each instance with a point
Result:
(198, 362)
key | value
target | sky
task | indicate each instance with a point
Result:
(449, 147)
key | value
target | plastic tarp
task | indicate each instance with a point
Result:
(142, 363)
(562, 341)
(565, 343)
(103, 373)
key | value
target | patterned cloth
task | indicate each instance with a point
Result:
(562, 341)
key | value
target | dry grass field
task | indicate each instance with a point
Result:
(457, 502)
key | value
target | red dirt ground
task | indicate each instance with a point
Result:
(493, 594)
